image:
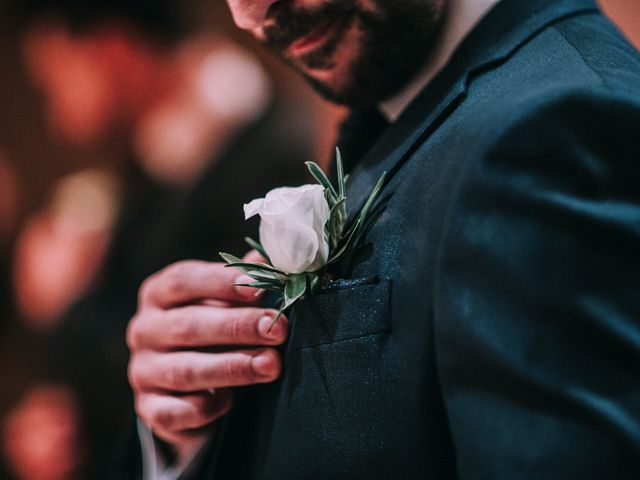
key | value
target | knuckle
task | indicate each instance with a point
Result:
(133, 334)
(181, 375)
(184, 328)
(146, 289)
(140, 408)
(132, 374)
(177, 276)
(242, 328)
(238, 370)
(203, 409)
(162, 418)
(153, 413)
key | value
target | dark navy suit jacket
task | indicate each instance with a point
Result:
(490, 326)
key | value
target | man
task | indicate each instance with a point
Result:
(491, 325)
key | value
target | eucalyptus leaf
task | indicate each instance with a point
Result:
(268, 275)
(313, 284)
(341, 177)
(336, 223)
(322, 179)
(276, 283)
(254, 266)
(360, 219)
(372, 197)
(294, 289)
(227, 257)
(260, 285)
(346, 243)
(338, 208)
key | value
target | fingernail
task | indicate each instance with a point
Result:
(268, 329)
(262, 365)
(247, 292)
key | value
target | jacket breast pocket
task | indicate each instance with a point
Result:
(334, 386)
(347, 310)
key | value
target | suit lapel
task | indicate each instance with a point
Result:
(508, 26)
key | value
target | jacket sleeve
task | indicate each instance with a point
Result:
(154, 464)
(537, 320)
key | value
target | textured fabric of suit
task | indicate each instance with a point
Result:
(488, 326)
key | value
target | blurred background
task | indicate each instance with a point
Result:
(130, 131)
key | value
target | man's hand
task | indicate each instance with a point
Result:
(195, 335)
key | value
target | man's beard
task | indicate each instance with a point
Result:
(396, 41)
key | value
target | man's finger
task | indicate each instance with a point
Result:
(204, 326)
(196, 371)
(253, 256)
(194, 281)
(173, 414)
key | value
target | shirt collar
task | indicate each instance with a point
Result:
(462, 17)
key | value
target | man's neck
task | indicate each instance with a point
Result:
(462, 17)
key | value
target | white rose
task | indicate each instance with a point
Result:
(292, 227)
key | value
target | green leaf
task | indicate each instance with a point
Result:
(267, 276)
(256, 266)
(372, 197)
(314, 283)
(351, 234)
(277, 317)
(227, 257)
(341, 177)
(311, 279)
(274, 283)
(246, 268)
(257, 246)
(260, 285)
(235, 262)
(360, 219)
(338, 208)
(335, 223)
(331, 200)
(322, 179)
(294, 289)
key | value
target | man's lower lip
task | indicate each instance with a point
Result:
(314, 39)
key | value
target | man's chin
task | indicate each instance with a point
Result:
(348, 80)
(336, 82)
(332, 88)
(350, 89)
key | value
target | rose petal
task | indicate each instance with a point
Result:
(291, 245)
(253, 208)
(292, 227)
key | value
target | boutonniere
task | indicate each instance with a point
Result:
(303, 231)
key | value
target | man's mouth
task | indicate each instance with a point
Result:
(310, 38)
(315, 39)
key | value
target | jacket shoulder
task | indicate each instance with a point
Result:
(603, 49)
(584, 55)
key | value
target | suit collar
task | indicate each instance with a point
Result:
(462, 16)
(509, 25)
